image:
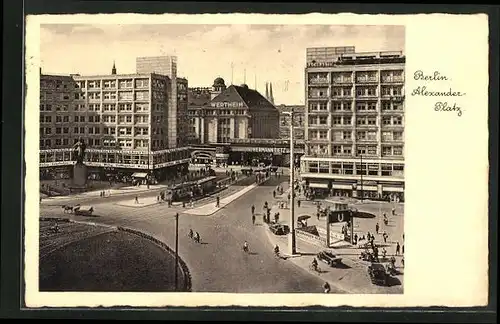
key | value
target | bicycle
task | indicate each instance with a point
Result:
(315, 268)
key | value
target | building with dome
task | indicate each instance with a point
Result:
(230, 114)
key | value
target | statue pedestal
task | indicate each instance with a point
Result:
(80, 174)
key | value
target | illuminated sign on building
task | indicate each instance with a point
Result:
(234, 104)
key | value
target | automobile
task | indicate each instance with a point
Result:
(378, 274)
(279, 229)
(329, 258)
(83, 210)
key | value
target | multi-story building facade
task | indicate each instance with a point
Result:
(124, 120)
(354, 123)
(198, 99)
(298, 118)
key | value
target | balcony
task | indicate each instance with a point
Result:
(318, 81)
(366, 80)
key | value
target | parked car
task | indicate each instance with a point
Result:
(378, 274)
(279, 229)
(83, 210)
(329, 258)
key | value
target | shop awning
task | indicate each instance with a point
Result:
(139, 175)
(318, 185)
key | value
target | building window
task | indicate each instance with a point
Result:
(397, 150)
(386, 151)
(125, 107)
(386, 105)
(361, 121)
(346, 92)
(323, 120)
(65, 141)
(386, 120)
(58, 130)
(337, 149)
(386, 91)
(142, 83)
(125, 83)
(65, 130)
(58, 119)
(372, 91)
(109, 84)
(347, 135)
(58, 142)
(372, 150)
(125, 95)
(361, 135)
(397, 120)
(94, 95)
(348, 151)
(397, 136)
(109, 95)
(337, 106)
(386, 170)
(141, 95)
(323, 106)
(323, 134)
(336, 92)
(141, 107)
(361, 150)
(337, 120)
(372, 106)
(371, 121)
(360, 106)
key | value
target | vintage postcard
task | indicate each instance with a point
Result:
(256, 160)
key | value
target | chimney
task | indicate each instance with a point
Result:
(271, 97)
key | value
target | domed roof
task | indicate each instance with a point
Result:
(219, 82)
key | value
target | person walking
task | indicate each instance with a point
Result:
(253, 210)
(326, 287)
(298, 202)
(217, 204)
(253, 219)
(398, 247)
(136, 199)
(377, 228)
(274, 194)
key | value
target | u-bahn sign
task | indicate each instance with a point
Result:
(339, 216)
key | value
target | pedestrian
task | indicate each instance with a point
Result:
(397, 248)
(377, 228)
(326, 287)
(317, 215)
(136, 199)
(100, 194)
(288, 196)
(384, 253)
(298, 202)
(158, 198)
(253, 219)
(276, 217)
(274, 194)
(217, 204)
(355, 238)
(385, 237)
(403, 249)
(253, 210)
(393, 211)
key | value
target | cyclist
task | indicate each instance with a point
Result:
(276, 250)
(190, 233)
(314, 264)
(245, 246)
(326, 287)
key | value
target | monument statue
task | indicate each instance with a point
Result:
(79, 150)
(80, 172)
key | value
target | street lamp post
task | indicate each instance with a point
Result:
(176, 249)
(291, 238)
(362, 192)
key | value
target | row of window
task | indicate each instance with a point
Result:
(323, 150)
(110, 143)
(359, 120)
(111, 84)
(360, 135)
(359, 76)
(97, 130)
(349, 168)
(360, 91)
(360, 106)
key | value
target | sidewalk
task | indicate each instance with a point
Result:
(109, 192)
(352, 277)
(210, 208)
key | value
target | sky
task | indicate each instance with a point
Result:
(268, 53)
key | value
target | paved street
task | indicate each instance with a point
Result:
(218, 264)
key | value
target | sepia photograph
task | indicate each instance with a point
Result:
(231, 160)
(171, 162)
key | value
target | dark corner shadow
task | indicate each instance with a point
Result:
(393, 281)
(342, 265)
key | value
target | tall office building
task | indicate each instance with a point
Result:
(121, 117)
(167, 65)
(354, 123)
